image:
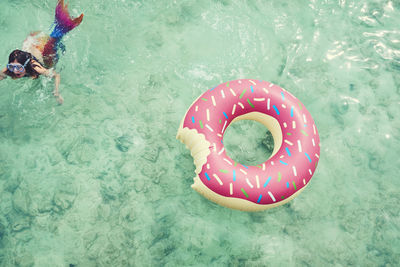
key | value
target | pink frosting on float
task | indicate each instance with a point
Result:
(289, 170)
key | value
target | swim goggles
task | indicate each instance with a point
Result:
(17, 67)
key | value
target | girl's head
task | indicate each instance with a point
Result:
(20, 64)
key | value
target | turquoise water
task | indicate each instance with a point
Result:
(101, 180)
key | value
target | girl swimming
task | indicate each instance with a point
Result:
(39, 52)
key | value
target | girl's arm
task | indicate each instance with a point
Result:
(2, 74)
(52, 74)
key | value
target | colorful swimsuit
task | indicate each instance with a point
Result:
(44, 47)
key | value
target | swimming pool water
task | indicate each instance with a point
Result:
(101, 180)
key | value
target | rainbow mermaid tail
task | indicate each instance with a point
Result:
(44, 47)
(63, 22)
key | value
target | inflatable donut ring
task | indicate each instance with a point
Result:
(250, 188)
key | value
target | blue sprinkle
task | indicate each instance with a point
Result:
(212, 89)
(244, 166)
(252, 89)
(266, 182)
(222, 141)
(208, 177)
(276, 109)
(287, 184)
(305, 125)
(192, 119)
(291, 111)
(226, 116)
(259, 198)
(288, 152)
(283, 96)
(234, 175)
(284, 163)
(309, 159)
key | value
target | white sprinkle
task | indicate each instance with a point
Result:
(208, 114)
(272, 163)
(270, 85)
(294, 124)
(220, 152)
(223, 128)
(299, 144)
(197, 108)
(304, 118)
(282, 156)
(263, 167)
(219, 135)
(233, 92)
(233, 109)
(259, 99)
(231, 188)
(241, 105)
(209, 128)
(313, 142)
(271, 195)
(244, 172)
(222, 93)
(294, 171)
(215, 147)
(265, 90)
(219, 180)
(284, 124)
(309, 170)
(283, 105)
(213, 100)
(269, 100)
(208, 166)
(315, 132)
(252, 82)
(317, 155)
(304, 181)
(258, 181)
(230, 163)
(248, 182)
(240, 81)
(288, 142)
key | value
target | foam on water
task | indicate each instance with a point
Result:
(101, 180)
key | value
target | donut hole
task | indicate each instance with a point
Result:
(248, 142)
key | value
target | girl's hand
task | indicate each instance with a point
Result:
(60, 100)
(2, 74)
(58, 97)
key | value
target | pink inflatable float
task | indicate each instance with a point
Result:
(250, 188)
